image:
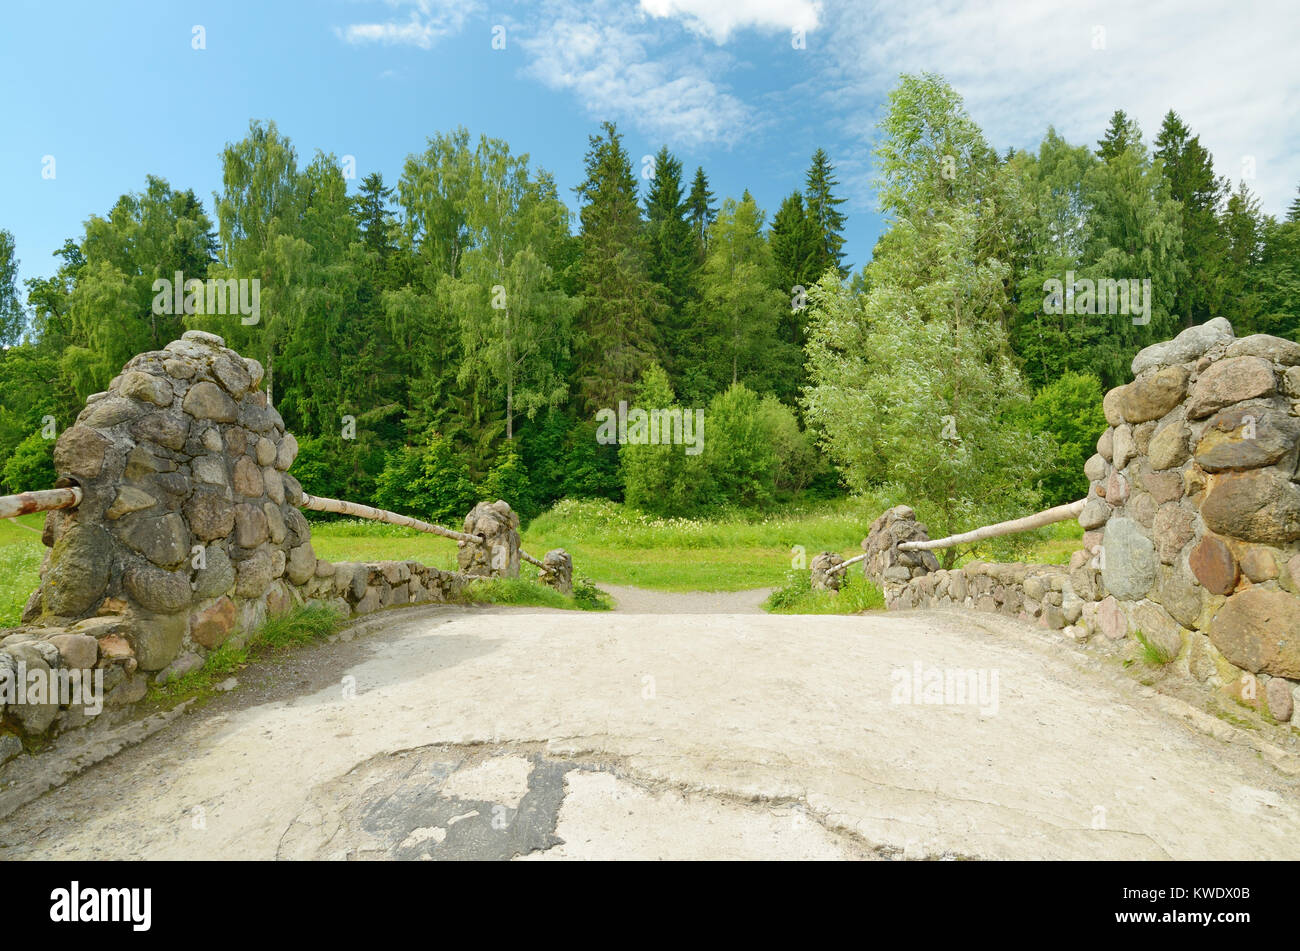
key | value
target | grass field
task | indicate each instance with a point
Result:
(610, 544)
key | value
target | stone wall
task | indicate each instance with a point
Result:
(189, 535)
(1192, 524)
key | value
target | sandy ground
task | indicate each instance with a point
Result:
(676, 727)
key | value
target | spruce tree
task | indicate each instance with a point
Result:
(823, 211)
(1120, 134)
(619, 304)
(672, 257)
(1189, 170)
(700, 210)
(795, 252)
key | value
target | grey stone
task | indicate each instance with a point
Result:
(182, 665)
(129, 499)
(1095, 468)
(302, 564)
(1274, 349)
(1189, 345)
(250, 526)
(146, 387)
(210, 514)
(80, 452)
(1258, 505)
(1129, 569)
(253, 575)
(1168, 447)
(1095, 512)
(1230, 381)
(163, 592)
(216, 577)
(156, 638)
(207, 401)
(166, 429)
(78, 571)
(163, 539)
(210, 469)
(1247, 436)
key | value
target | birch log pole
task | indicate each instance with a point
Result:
(318, 504)
(844, 564)
(1059, 514)
(24, 503)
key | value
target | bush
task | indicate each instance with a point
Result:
(1069, 411)
(431, 482)
(508, 480)
(31, 467)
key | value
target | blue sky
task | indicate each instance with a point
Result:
(116, 91)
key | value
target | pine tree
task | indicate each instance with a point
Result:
(824, 214)
(672, 257)
(700, 210)
(371, 207)
(795, 251)
(619, 303)
(1189, 170)
(1121, 133)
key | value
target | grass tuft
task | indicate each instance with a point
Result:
(519, 591)
(797, 596)
(1153, 654)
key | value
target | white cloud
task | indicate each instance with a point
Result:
(718, 19)
(429, 21)
(605, 55)
(1229, 72)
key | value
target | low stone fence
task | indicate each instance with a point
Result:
(1192, 524)
(188, 535)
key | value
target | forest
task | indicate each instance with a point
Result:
(455, 334)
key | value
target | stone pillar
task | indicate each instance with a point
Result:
(1192, 526)
(823, 579)
(885, 564)
(560, 576)
(498, 555)
(188, 526)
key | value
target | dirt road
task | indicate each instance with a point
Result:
(655, 732)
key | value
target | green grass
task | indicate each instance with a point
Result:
(610, 543)
(796, 596)
(1153, 654)
(531, 594)
(21, 552)
(278, 635)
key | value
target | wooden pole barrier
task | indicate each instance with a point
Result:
(844, 564)
(318, 504)
(533, 561)
(1059, 514)
(25, 503)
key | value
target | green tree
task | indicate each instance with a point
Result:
(12, 317)
(672, 255)
(514, 320)
(795, 252)
(824, 215)
(620, 308)
(1069, 410)
(1122, 133)
(1188, 168)
(740, 311)
(913, 384)
(700, 208)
